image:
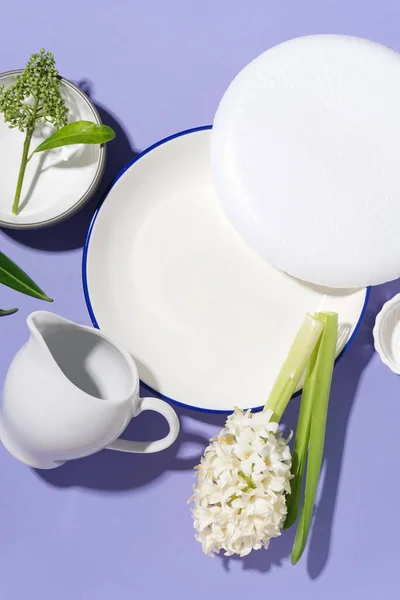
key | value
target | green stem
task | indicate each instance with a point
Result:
(248, 480)
(24, 159)
(321, 380)
(301, 442)
(30, 156)
(294, 366)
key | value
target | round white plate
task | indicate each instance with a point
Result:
(58, 182)
(208, 321)
(306, 142)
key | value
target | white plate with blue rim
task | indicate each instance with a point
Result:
(208, 321)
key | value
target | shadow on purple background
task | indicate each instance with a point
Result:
(71, 233)
(111, 471)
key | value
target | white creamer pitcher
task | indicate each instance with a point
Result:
(71, 391)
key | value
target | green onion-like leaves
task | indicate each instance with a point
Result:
(294, 366)
(319, 378)
(79, 132)
(301, 441)
(14, 277)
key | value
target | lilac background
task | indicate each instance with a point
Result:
(117, 526)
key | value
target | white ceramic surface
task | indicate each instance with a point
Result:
(386, 334)
(58, 182)
(207, 320)
(71, 391)
(305, 157)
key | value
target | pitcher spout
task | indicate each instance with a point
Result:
(42, 322)
(48, 335)
(84, 357)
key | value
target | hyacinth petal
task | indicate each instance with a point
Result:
(239, 497)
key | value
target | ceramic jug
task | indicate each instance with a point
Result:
(71, 391)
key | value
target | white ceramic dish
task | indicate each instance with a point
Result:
(306, 143)
(207, 320)
(386, 334)
(57, 183)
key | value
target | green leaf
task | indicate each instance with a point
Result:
(79, 132)
(294, 366)
(321, 390)
(10, 311)
(301, 441)
(14, 277)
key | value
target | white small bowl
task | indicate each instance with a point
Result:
(386, 334)
(58, 182)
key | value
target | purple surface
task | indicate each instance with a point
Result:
(117, 526)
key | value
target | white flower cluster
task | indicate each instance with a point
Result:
(239, 498)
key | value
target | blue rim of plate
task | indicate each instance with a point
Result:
(86, 287)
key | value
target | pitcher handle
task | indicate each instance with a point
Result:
(155, 446)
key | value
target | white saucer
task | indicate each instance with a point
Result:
(57, 183)
(208, 321)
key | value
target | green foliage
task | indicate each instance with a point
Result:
(35, 97)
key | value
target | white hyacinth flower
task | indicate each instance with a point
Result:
(242, 480)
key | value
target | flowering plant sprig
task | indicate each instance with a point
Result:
(245, 477)
(36, 98)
